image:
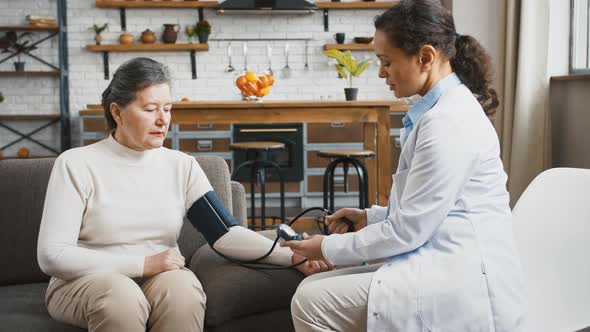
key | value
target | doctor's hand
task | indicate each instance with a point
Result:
(337, 225)
(311, 266)
(310, 247)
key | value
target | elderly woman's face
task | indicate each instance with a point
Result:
(143, 124)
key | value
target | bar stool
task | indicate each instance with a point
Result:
(346, 158)
(258, 168)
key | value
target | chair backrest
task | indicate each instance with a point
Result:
(552, 230)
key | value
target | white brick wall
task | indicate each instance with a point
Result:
(35, 95)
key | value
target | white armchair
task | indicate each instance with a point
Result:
(552, 230)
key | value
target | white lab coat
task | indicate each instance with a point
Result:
(450, 258)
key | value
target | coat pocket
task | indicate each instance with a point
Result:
(452, 295)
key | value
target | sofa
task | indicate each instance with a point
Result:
(238, 298)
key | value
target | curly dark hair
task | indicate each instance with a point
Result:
(413, 23)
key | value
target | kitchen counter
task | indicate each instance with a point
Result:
(373, 114)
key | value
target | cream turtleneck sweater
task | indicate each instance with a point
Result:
(108, 207)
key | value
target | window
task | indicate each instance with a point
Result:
(580, 36)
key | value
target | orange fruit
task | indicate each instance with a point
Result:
(251, 76)
(252, 88)
(271, 79)
(264, 80)
(241, 80)
(185, 99)
(265, 91)
(23, 153)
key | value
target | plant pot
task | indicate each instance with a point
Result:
(19, 66)
(98, 39)
(351, 93)
(203, 38)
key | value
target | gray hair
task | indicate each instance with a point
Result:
(130, 78)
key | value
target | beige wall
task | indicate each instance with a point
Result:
(482, 19)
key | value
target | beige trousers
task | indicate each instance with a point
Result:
(334, 300)
(170, 301)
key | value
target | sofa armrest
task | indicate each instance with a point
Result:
(238, 194)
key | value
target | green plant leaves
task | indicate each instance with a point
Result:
(341, 71)
(362, 67)
(347, 63)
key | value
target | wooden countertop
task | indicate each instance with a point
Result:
(375, 116)
(395, 105)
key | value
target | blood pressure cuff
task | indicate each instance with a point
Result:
(210, 217)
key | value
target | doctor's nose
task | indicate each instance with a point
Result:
(382, 73)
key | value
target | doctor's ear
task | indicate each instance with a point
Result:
(426, 56)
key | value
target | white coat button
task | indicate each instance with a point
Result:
(379, 282)
(375, 315)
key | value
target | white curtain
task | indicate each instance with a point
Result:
(523, 118)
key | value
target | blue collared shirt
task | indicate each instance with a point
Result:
(427, 102)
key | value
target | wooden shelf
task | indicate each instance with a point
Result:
(155, 4)
(147, 47)
(29, 157)
(350, 47)
(29, 116)
(31, 72)
(356, 5)
(27, 28)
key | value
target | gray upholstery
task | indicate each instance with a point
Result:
(22, 308)
(239, 205)
(23, 184)
(253, 301)
(253, 291)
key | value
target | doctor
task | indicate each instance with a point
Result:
(450, 262)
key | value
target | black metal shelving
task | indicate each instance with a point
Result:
(61, 71)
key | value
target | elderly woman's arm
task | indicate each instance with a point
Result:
(57, 251)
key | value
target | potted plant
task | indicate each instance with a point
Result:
(348, 68)
(97, 30)
(202, 30)
(12, 43)
(190, 32)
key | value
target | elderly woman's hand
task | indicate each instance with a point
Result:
(162, 262)
(311, 266)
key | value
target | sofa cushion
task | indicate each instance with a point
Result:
(271, 321)
(234, 291)
(23, 184)
(22, 308)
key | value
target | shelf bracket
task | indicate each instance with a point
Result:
(28, 136)
(326, 26)
(194, 64)
(201, 15)
(123, 19)
(105, 60)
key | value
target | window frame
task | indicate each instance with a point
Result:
(572, 70)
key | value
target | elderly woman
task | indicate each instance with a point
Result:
(113, 213)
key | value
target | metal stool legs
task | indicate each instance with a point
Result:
(329, 181)
(258, 175)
